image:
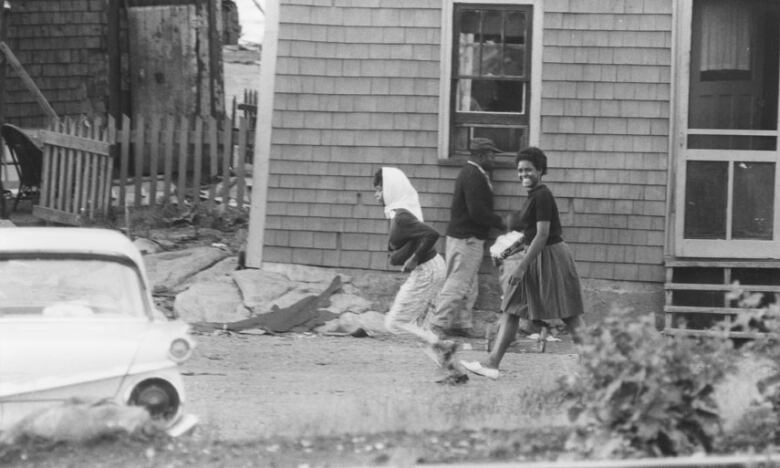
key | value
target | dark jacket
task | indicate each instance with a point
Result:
(471, 213)
(410, 236)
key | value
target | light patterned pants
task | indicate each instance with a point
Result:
(415, 299)
(459, 293)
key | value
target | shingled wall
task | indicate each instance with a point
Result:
(357, 87)
(62, 46)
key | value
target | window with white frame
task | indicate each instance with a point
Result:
(490, 76)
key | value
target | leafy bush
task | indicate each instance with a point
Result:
(641, 394)
(762, 316)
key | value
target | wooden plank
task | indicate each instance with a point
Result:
(124, 160)
(74, 141)
(668, 299)
(706, 310)
(60, 184)
(28, 81)
(721, 287)
(78, 189)
(713, 334)
(183, 150)
(94, 175)
(197, 163)
(55, 216)
(154, 149)
(46, 176)
(110, 136)
(68, 162)
(168, 138)
(138, 157)
(213, 169)
(241, 162)
(722, 263)
(227, 158)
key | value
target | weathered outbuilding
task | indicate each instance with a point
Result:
(98, 57)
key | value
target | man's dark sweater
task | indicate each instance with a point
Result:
(471, 213)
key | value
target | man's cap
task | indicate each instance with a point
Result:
(481, 145)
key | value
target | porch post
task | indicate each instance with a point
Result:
(263, 128)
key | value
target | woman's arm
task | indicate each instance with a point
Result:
(537, 244)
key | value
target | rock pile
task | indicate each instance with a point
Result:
(210, 289)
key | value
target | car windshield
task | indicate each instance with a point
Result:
(68, 287)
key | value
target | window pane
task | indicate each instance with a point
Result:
(734, 65)
(736, 142)
(754, 196)
(468, 59)
(706, 185)
(469, 22)
(514, 60)
(490, 96)
(491, 27)
(508, 139)
(491, 60)
(515, 28)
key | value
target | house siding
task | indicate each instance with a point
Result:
(605, 125)
(357, 87)
(62, 46)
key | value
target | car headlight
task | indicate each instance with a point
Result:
(180, 350)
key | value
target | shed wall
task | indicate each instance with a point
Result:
(62, 46)
(357, 88)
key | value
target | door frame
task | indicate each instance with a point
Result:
(680, 155)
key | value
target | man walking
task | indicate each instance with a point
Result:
(471, 218)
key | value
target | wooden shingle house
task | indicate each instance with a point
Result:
(659, 117)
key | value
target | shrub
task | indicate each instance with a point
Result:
(641, 394)
(762, 316)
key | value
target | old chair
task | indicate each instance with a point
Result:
(27, 157)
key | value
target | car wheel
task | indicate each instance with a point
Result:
(159, 397)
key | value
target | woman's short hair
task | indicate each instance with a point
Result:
(535, 156)
(378, 177)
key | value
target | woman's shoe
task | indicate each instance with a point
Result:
(541, 342)
(477, 368)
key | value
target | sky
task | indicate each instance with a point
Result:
(252, 21)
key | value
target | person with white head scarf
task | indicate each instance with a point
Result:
(412, 245)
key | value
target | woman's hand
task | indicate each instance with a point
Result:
(410, 264)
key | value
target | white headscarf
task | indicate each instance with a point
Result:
(398, 193)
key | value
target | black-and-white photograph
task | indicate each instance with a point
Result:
(391, 233)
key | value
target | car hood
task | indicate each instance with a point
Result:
(43, 355)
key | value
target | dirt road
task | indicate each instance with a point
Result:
(246, 387)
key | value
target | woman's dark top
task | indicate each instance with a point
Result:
(540, 206)
(408, 236)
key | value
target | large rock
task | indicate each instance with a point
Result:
(210, 301)
(304, 274)
(79, 421)
(222, 272)
(297, 293)
(342, 302)
(260, 289)
(349, 322)
(169, 269)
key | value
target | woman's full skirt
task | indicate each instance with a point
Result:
(548, 288)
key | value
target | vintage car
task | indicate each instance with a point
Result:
(77, 321)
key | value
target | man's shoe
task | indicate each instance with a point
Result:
(463, 332)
